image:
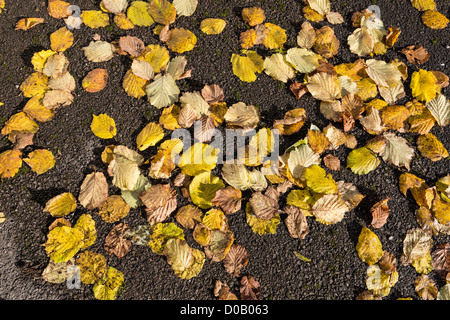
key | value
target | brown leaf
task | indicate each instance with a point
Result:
(156, 196)
(332, 162)
(188, 216)
(116, 242)
(380, 213)
(440, 259)
(95, 80)
(273, 193)
(250, 288)
(298, 89)
(296, 222)
(263, 206)
(222, 291)
(133, 45)
(353, 104)
(416, 54)
(388, 263)
(21, 140)
(425, 287)
(228, 199)
(212, 93)
(93, 190)
(235, 260)
(187, 117)
(205, 132)
(161, 213)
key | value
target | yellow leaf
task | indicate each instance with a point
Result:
(61, 205)
(394, 117)
(35, 110)
(113, 209)
(362, 161)
(162, 11)
(58, 9)
(246, 67)
(95, 80)
(20, 123)
(149, 136)
(203, 189)
(169, 117)
(326, 44)
(61, 39)
(253, 16)
(424, 5)
(430, 147)
(40, 58)
(367, 89)
(275, 38)
(123, 22)
(158, 57)
(10, 163)
(434, 19)
(133, 85)
(63, 243)
(312, 15)
(95, 18)
(28, 23)
(212, 26)
(181, 40)
(319, 181)
(138, 14)
(109, 285)
(424, 85)
(86, 224)
(369, 247)
(92, 266)
(247, 39)
(103, 126)
(40, 161)
(35, 84)
(199, 158)
(318, 141)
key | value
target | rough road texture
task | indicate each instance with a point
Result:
(335, 271)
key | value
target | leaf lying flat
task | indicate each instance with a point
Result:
(362, 161)
(93, 190)
(324, 87)
(369, 247)
(329, 209)
(185, 261)
(40, 161)
(109, 285)
(246, 67)
(235, 260)
(397, 151)
(185, 7)
(440, 109)
(163, 91)
(61, 205)
(430, 147)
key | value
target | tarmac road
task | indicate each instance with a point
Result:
(335, 271)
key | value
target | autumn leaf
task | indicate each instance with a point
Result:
(28, 23)
(253, 16)
(63, 243)
(95, 80)
(430, 147)
(212, 26)
(250, 288)
(40, 160)
(245, 67)
(380, 213)
(369, 247)
(103, 126)
(92, 266)
(116, 243)
(113, 209)
(93, 190)
(108, 287)
(61, 205)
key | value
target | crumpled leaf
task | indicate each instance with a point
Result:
(108, 287)
(434, 19)
(416, 54)
(250, 288)
(425, 287)
(63, 243)
(58, 272)
(416, 245)
(253, 16)
(380, 213)
(222, 291)
(113, 209)
(92, 266)
(296, 222)
(261, 226)
(28, 23)
(430, 147)
(185, 261)
(86, 224)
(235, 260)
(116, 241)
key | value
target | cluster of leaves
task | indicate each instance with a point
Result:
(347, 92)
(431, 17)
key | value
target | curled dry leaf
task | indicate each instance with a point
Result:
(222, 291)
(250, 288)
(416, 54)
(132, 45)
(212, 93)
(425, 287)
(235, 260)
(296, 222)
(116, 241)
(380, 213)
(332, 162)
(264, 207)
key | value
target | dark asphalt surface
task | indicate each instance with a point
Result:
(335, 271)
